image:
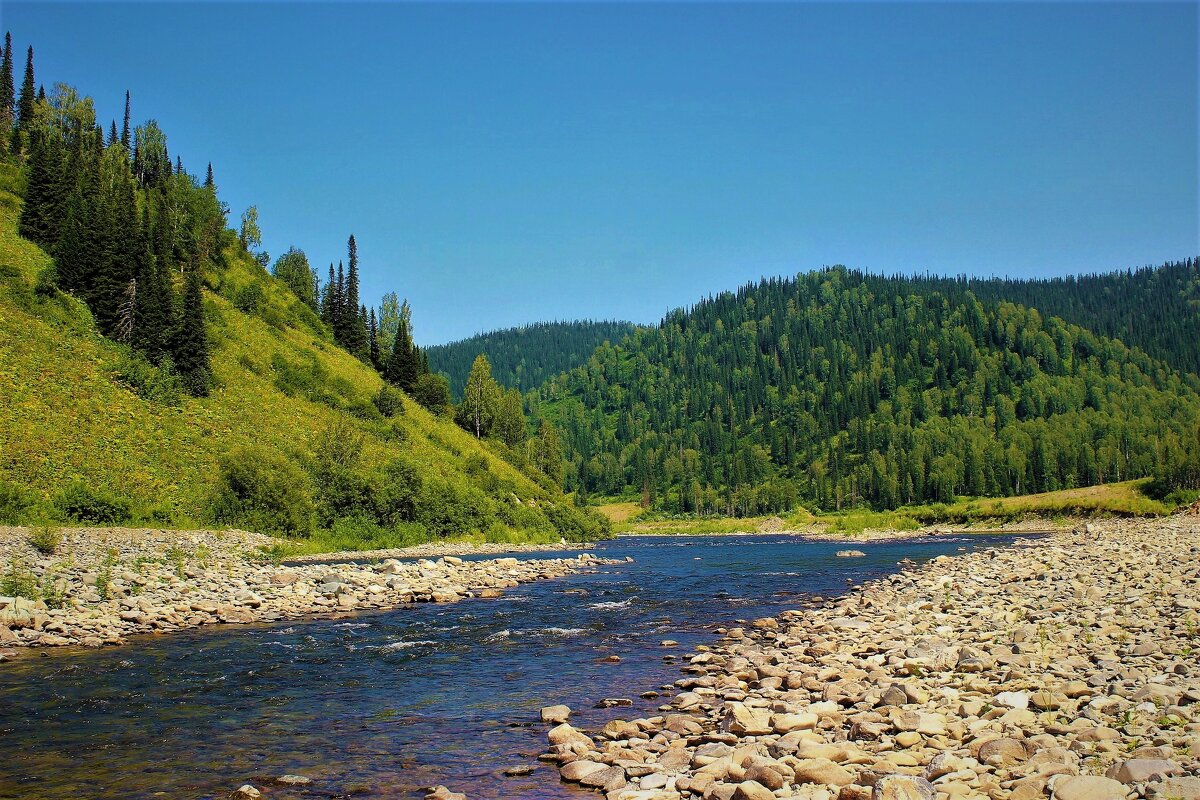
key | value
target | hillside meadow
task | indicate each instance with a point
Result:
(90, 432)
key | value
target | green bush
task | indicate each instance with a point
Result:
(158, 384)
(15, 502)
(578, 525)
(389, 400)
(399, 487)
(20, 581)
(446, 509)
(249, 298)
(77, 502)
(45, 539)
(433, 392)
(261, 490)
(342, 492)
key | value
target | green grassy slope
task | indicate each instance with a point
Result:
(67, 415)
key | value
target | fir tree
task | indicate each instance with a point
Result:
(45, 193)
(209, 183)
(373, 339)
(153, 314)
(28, 97)
(339, 306)
(328, 299)
(402, 367)
(112, 134)
(191, 340)
(125, 125)
(7, 92)
(354, 320)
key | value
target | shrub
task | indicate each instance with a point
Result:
(389, 400)
(446, 509)
(249, 298)
(77, 502)
(578, 525)
(158, 384)
(45, 539)
(46, 284)
(399, 488)
(433, 392)
(261, 490)
(15, 502)
(20, 581)
(343, 491)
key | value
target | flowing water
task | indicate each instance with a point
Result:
(381, 704)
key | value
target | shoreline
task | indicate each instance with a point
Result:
(1031, 526)
(436, 550)
(1064, 669)
(102, 585)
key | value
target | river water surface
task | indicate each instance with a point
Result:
(382, 704)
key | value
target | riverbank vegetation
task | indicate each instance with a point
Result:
(1137, 498)
(156, 372)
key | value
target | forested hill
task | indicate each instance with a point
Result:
(837, 388)
(1156, 309)
(526, 357)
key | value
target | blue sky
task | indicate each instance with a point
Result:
(502, 164)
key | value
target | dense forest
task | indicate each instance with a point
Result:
(1156, 309)
(838, 388)
(219, 387)
(526, 357)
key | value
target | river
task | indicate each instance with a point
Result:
(382, 704)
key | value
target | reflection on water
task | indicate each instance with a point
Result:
(382, 704)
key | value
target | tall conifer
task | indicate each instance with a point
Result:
(373, 339)
(7, 92)
(25, 106)
(125, 126)
(191, 339)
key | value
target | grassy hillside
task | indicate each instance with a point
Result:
(81, 412)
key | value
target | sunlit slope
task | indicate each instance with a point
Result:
(66, 414)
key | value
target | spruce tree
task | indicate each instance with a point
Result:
(339, 306)
(112, 134)
(209, 183)
(26, 104)
(7, 93)
(355, 321)
(46, 190)
(125, 125)
(373, 339)
(328, 299)
(154, 310)
(191, 340)
(401, 368)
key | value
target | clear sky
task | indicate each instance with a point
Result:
(502, 164)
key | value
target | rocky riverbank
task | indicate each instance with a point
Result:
(100, 586)
(1065, 667)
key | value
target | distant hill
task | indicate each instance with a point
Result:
(838, 388)
(525, 357)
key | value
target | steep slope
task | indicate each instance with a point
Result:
(526, 357)
(838, 388)
(85, 421)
